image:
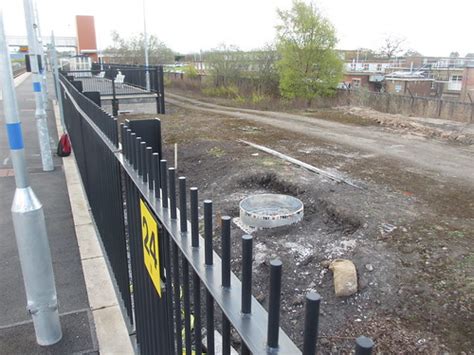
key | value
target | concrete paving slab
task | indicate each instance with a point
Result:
(78, 337)
(111, 331)
(99, 286)
(87, 240)
(79, 205)
(16, 329)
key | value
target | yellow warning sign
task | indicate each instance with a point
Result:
(151, 252)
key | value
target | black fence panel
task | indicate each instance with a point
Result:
(115, 82)
(101, 176)
(183, 295)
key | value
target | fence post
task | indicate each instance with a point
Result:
(115, 103)
(156, 86)
(226, 270)
(194, 217)
(183, 219)
(273, 327)
(164, 183)
(364, 346)
(311, 323)
(246, 306)
(226, 250)
(161, 89)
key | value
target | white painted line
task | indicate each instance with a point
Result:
(5, 161)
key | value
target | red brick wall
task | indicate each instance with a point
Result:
(416, 87)
(364, 80)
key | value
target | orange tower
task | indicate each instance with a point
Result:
(86, 40)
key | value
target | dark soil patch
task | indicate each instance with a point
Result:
(418, 298)
(270, 181)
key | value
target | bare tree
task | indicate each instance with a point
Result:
(412, 53)
(131, 50)
(392, 47)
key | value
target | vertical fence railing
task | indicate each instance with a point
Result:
(101, 175)
(175, 274)
(135, 75)
(117, 82)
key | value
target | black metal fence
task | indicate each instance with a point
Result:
(165, 271)
(120, 82)
(139, 76)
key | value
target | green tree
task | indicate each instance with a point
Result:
(132, 50)
(309, 65)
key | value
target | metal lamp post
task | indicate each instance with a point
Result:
(145, 40)
(40, 113)
(28, 219)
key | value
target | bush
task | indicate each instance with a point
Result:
(230, 92)
(190, 72)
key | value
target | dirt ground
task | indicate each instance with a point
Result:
(416, 282)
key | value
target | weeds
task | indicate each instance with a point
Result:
(216, 152)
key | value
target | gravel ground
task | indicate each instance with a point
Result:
(415, 282)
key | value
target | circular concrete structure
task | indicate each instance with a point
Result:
(270, 210)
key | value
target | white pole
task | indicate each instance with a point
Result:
(43, 57)
(55, 70)
(28, 219)
(40, 113)
(145, 40)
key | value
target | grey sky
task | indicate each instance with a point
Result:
(432, 27)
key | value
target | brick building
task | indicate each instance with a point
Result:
(86, 40)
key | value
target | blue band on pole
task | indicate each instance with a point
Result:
(15, 137)
(37, 87)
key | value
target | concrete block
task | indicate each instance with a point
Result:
(88, 244)
(79, 206)
(99, 285)
(112, 332)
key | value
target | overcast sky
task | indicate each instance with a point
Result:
(432, 27)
